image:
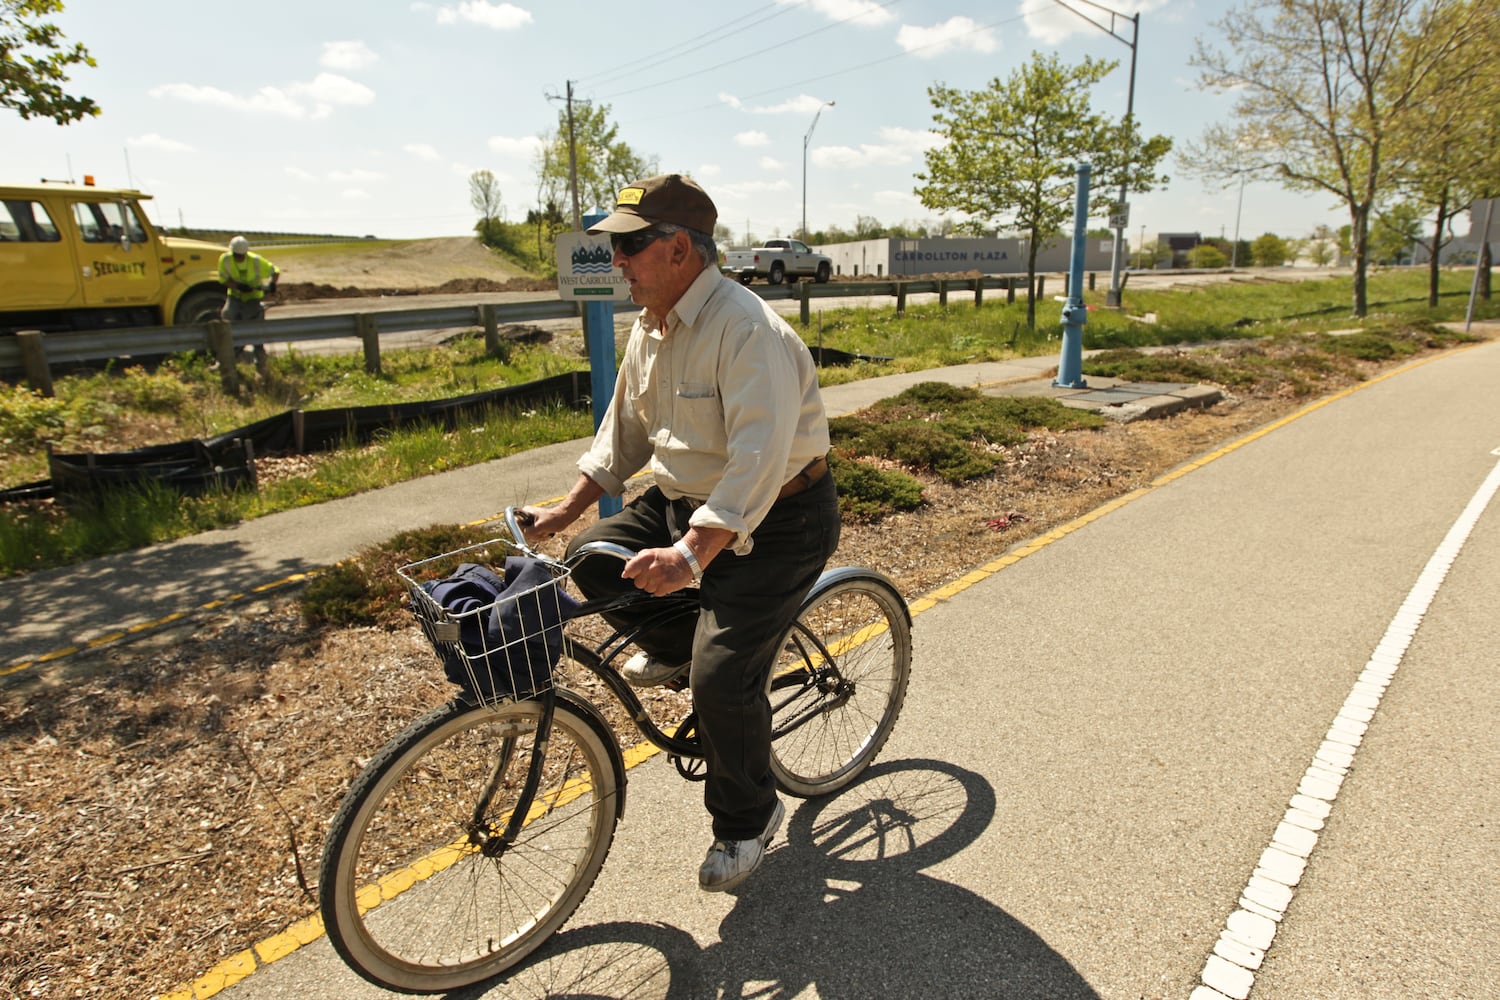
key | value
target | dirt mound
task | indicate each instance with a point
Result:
(305, 291)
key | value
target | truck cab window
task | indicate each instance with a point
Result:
(26, 222)
(107, 222)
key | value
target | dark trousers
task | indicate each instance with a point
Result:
(746, 605)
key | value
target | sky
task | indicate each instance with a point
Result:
(353, 119)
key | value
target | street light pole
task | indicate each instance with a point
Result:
(1234, 256)
(806, 140)
(1120, 217)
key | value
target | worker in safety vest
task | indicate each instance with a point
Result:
(246, 278)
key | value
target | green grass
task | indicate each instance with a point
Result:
(182, 399)
(931, 336)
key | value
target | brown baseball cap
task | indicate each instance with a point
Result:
(664, 198)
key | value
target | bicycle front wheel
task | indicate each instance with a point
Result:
(419, 892)
(839, 682)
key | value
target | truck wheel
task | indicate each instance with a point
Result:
(198, 306)
(747, 277)
(778, 272)
(823, 273)
(791, 279)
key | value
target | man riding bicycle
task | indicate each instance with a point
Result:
(720, 397)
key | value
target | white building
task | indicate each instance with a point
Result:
(885, 257)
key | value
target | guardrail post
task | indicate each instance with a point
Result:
(900, 298)
(364, 324)
(1092, 276)
(978, 291)
(943, 293)
(33, 345)
(1010, 291)
(221, 344)
(491, 329)
(1041, 288)
(804, 292)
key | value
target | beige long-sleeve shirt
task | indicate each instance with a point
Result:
(723, 403)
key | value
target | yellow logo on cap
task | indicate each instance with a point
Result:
(631, 196)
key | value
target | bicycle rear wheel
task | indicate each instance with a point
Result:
(839, 682)
(416, 893)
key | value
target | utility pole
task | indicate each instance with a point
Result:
(572, 155)
(573, 162)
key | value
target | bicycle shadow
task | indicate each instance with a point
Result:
(843, 908)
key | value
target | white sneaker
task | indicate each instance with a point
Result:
(644, 671)
(730, 862)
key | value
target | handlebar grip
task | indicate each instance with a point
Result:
(606, 548)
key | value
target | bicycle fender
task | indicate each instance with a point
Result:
(595, 718)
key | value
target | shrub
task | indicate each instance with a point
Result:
(867, 493)
(365, 590)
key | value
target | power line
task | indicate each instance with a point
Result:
(750, 55)
(656, 55)
(782, 87)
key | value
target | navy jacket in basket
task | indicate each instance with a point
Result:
(510, 629)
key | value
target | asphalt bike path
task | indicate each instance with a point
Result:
(1091, 787)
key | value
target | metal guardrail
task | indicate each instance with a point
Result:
(79, 346)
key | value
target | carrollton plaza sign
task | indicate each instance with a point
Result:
(584, 272)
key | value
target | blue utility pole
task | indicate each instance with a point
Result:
(1074, 312)
(599, 334)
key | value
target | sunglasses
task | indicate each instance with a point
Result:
(631, 244)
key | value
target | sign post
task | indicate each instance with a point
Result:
(586, 275)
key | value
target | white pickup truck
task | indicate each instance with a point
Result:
(778, 261)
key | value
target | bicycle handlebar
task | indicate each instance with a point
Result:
(516, 519)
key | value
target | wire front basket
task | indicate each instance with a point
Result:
(493, 615)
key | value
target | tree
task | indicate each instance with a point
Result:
(1395, 232)
(34, 63)
(484, 195)
(1268, 250)
(1206, 255)
(1011, 153)
(1322, 84)
(605, 163)
(1445, 151)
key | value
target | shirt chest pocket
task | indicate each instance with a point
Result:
(697, 421)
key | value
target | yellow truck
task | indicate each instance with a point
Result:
(80, 257)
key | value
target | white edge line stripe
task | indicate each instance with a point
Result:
(1229, 972)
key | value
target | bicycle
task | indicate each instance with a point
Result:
(474, 834)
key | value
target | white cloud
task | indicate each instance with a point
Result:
(867, 12)
(499, 16)
(802, 104)
(954, 33)
(709, 170)
(750, 189)
(355, 194)
(524, 146)
(153, 141)
(421, 151)
(347, 55)
(311, 100)
(300, 174)
(898, 147)
(752, 139)
(770, 163)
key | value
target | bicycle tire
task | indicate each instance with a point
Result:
(410, 901)
(839, 682)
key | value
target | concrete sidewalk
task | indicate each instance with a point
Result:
(56, 613)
